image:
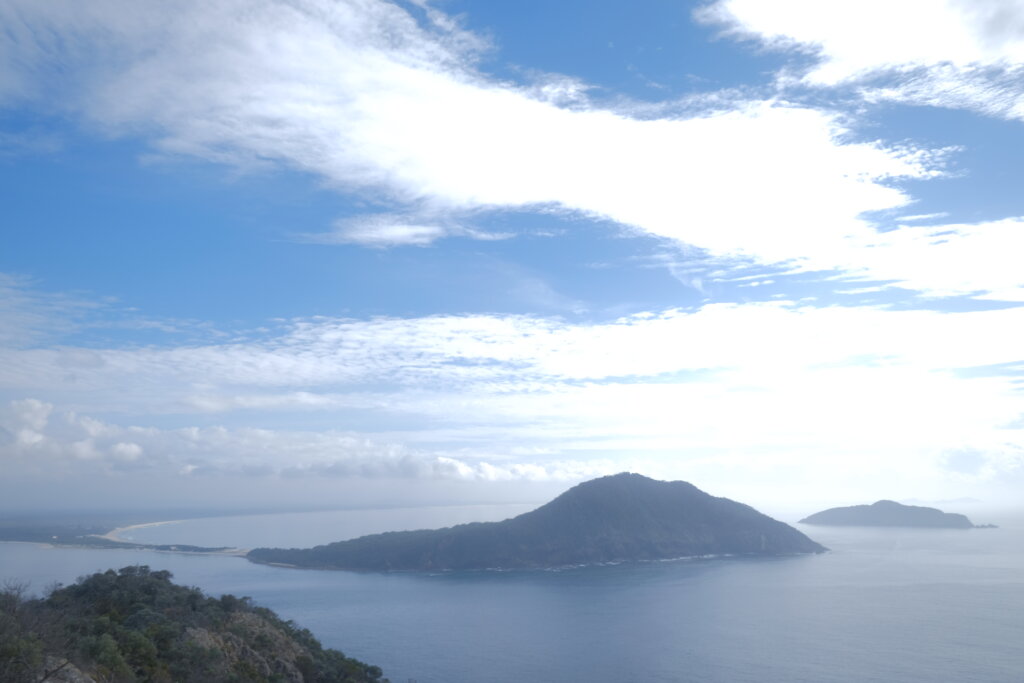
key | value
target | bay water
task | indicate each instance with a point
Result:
(928, 606)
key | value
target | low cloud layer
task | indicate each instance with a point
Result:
(727, 392)
(36, 439)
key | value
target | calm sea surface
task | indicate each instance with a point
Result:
(884, 605)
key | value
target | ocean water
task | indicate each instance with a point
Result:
(928, 606)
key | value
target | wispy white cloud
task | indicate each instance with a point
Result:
(381, 231)
(511, 352)
(29, 142)
(923, 216)
(361, 95)
(992, 91)
(948, 53)
(387, 230)
(961, 33)
(31, 316)
(976, 260)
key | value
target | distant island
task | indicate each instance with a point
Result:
(136, 625)
(891, 513)
(625, 517)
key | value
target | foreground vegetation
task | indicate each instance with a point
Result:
(136, 625)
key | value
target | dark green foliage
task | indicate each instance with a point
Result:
(619, 518)
(136, 625)
(25, 634)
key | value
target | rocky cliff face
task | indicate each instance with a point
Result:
(626, 517)
(277, 658)
(61, 670)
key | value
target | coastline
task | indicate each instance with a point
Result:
(115, 534)
(128, 545)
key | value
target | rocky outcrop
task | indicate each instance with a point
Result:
(232, 652)
(60, 670)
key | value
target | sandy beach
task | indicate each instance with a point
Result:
(115, 534)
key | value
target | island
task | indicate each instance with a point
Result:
(624, 517)
(135, 624)
(890, 513)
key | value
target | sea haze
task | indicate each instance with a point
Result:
(884, 605)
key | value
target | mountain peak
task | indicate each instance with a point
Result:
(621, 517)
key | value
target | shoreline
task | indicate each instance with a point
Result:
(115, 534)
(129, 545)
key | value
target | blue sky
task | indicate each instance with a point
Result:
(318, 250)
